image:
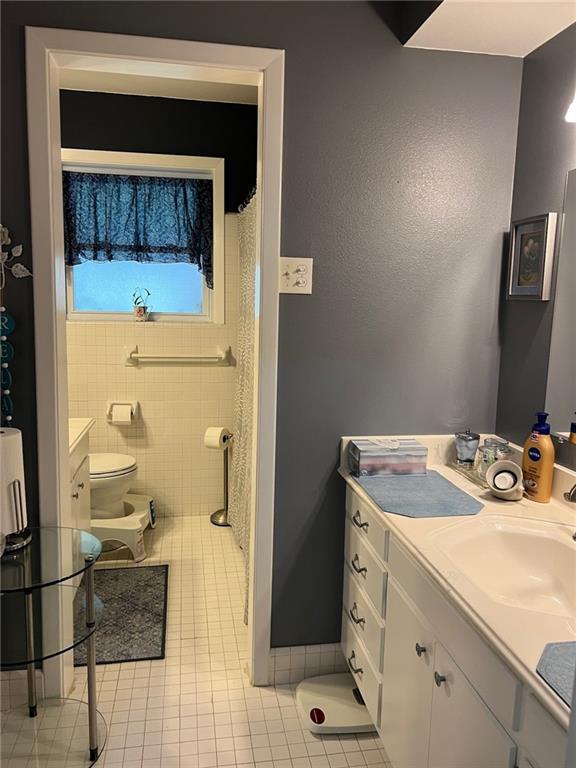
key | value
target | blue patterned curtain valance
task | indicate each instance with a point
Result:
(108, 217)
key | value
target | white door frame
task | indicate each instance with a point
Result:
(49, 54)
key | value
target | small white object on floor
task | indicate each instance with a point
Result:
(332, 704)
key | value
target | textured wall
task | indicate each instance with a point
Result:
(397, 180)
(546, 152)
(177, 402)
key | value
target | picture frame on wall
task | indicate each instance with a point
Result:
(531, 259)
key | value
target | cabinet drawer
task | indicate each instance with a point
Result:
(368, 572)
(367, 523)
(367, 679)
(489, 676)
(544, 739)
(368, 624)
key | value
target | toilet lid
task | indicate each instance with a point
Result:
(110, 464)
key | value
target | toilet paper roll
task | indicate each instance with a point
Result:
(216, 437)
(121, 414)
(12, 474)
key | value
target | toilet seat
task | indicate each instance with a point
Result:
(108, 465)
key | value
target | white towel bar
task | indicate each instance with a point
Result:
(132, 357)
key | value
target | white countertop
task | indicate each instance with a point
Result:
(77, 429)
(518, 635)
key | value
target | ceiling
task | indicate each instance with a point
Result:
(510, 28)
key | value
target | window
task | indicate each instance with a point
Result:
(153, 222)
(108, 287)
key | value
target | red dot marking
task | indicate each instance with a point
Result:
(317, 716)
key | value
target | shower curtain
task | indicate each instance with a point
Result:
(241, 468)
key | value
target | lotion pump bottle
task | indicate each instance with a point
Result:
(538, 461)
(573, 431)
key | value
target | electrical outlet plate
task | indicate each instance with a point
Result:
(295, 275)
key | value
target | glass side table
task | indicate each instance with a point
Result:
(52, 576)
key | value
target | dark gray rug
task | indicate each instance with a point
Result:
(133, 626)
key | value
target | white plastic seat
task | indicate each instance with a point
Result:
(128, 531)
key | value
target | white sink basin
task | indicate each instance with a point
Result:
(529, 564)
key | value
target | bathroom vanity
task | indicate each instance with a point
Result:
(78, 440)
(445, 619)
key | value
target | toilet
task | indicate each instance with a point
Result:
(117, 515)
(111, 477)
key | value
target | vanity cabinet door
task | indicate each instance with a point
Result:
(80, 496)
(407, 684)
(463, 733)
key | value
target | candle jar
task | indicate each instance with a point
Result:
(493, 449)
(466, 447)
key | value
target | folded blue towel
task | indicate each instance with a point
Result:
(557, 666)
(430, 495)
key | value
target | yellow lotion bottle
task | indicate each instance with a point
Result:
(573, 431)
(538, 461)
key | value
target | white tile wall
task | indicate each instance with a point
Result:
(294, 663)
(14, 688)
(177, 401)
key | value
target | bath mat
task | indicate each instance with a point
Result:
(556, 666)
(133, 626)
(430, 495)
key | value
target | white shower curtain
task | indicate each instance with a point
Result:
(241, 467)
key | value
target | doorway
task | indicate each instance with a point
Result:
(53, 57)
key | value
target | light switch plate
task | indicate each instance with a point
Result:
(295, 275)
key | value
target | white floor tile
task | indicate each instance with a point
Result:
(196, 708)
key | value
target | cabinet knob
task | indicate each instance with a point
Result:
(354, 615)
(80, 485)
(357, 520)
(439, 679)
(351, 659)
(420, 649)
(356, 565)
(75, 495)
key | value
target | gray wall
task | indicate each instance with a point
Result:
(397, 180)
(546, 152)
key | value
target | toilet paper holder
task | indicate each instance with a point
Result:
(132, 403)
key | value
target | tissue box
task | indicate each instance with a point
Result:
(387, 457)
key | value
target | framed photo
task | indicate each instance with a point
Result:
(532, 257)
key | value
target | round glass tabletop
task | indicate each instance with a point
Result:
(53, 555)
(66, 600)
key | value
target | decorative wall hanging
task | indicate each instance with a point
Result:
(6, 257)
(531, 257)
(7, 322)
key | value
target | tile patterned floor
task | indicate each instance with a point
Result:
(196, 708)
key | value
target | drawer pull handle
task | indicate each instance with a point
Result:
(357, 520)
(75, 495)
(354, 615)
(356, 670)
(80, 485)
(420, 649)
(356, 565)
(439, 679)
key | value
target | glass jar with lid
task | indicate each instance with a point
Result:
(493, 449)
